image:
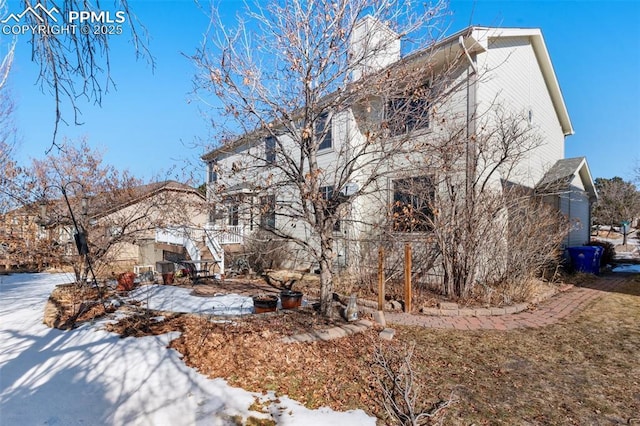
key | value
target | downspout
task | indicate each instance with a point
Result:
(466, 52)
(470, 130)
(570, 218)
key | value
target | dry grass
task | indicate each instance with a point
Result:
(584, 370)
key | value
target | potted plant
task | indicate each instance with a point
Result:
(265, 303)
(290, 299)
(125, 281)
(167, 278)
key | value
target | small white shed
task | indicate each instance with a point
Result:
(571, 186)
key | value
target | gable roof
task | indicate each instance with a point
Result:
(136, 194)
(481, 37)
(559, 177)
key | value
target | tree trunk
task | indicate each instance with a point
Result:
(326, 277)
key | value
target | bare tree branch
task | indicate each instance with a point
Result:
(75, 64)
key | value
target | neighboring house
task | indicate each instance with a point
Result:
(165, 221)
(516, 72)
(21, 240)
(135, 228)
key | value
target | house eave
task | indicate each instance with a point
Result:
(476, 40)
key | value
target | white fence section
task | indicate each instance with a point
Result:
(170, 236)
(228, 234)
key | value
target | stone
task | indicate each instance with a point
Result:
(430, 311)
(387, 334)
(511, 309)
(52, 314)
(378, 317)
(448, 306)
(395, 305)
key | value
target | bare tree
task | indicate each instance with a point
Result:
(619, 201)
(7, 57)
(112, 209)
(304, 79)
(468, 209)
(8, 167)
(291, 74)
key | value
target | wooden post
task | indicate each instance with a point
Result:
(407, 277)
(381, 289)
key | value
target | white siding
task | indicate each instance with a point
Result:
(513, 78)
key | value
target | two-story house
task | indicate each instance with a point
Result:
(476, 72)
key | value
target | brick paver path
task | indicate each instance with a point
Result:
(548, 312)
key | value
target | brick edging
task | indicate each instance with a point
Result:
(507, 310)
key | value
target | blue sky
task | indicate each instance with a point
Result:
(152, 125)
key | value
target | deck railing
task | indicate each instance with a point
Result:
(229, 234)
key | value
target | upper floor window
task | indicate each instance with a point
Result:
(212, 171)
(323, 131)
(404, 114)
(326, 192)
(270, 150)
(412, 204)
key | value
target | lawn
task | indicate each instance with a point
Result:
(582, 370)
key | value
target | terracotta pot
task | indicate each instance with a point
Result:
(125, 281)
(167, 278)
(290, 299)
(263, 304)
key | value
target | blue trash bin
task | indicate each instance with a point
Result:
(585, 259)
(597, 259)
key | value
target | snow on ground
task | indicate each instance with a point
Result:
(180, 299)
(88, 376)
(626, 268)
(633, 245)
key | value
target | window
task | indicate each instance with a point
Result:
(323, 126)
(327, 194)
(268, 212)
(412, 204)
(212, 171)
(405, 114)
(270, 150)
(233, 215)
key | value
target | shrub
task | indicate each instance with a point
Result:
(263, 251)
